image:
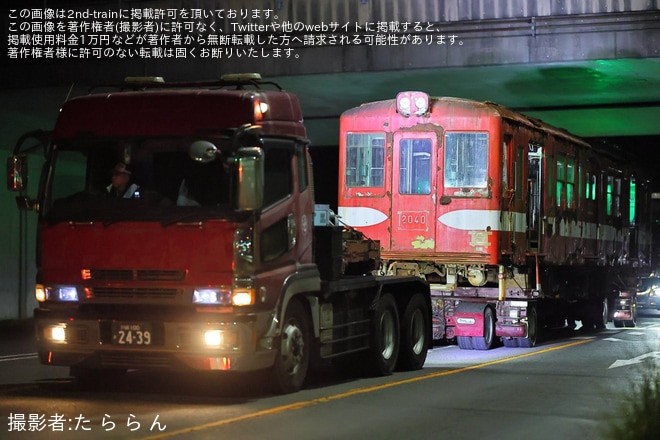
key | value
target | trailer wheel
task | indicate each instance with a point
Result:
(292, 361)
(384, 336)
(414, 334)
(485, 342)
(510, 342)
(464, 342)
(532, 328)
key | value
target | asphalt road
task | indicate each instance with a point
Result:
(568, 387)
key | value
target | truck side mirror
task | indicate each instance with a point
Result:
(249, 178)
(203, 151)
(17, 172)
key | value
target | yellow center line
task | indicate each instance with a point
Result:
(369, 389)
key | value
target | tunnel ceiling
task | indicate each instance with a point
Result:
(599, 98)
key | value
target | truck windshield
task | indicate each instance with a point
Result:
(147, 179)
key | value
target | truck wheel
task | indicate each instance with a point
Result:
(384, 336)
(532, 327)
(414, 334)
(464, 342)
(485, 342)
(510, 342)
(292, 360)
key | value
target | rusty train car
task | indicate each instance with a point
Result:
(516, 224)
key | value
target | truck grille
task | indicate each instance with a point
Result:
(137, 275)
(134, 292)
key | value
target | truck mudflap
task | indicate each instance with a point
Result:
(468, 319)
(469, 323)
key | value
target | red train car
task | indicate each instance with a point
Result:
(516, 224)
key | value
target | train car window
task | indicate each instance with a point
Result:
(613, 196)
(415, 166)
(617, 197)
(570, 182)
(580, 183)
(560, 178)
(590, 188)
(633, 199)
(365, 160)
(466, 160)
(565, 182)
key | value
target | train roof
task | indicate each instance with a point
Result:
(468, 107)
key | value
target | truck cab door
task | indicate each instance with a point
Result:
(413, 191)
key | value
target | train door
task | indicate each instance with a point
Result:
(413, 191)
(534, 196)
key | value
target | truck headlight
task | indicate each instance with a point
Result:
(56, 293)
(243, 296)
(40, 293)
(215, 296)
(55, 333)
(224, 296)
(224, 339)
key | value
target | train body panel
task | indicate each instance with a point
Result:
(488, 204)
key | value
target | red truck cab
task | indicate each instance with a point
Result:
(211, 261)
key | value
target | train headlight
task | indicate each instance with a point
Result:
(403, 106)
(412, 103)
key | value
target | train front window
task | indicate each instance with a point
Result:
(415, 166)
(466, 160)
(365, 160)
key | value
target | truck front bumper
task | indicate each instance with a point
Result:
(130, 343)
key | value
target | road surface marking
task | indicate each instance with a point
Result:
(17, 357)
(636, 360)
(357, 391)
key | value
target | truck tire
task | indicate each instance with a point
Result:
(384, 347)
(414, 334)
(510, 342)
(532, 329)
(292, 361)
(486, 341)
(464, 342)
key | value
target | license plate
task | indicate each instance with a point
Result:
(131, 333)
